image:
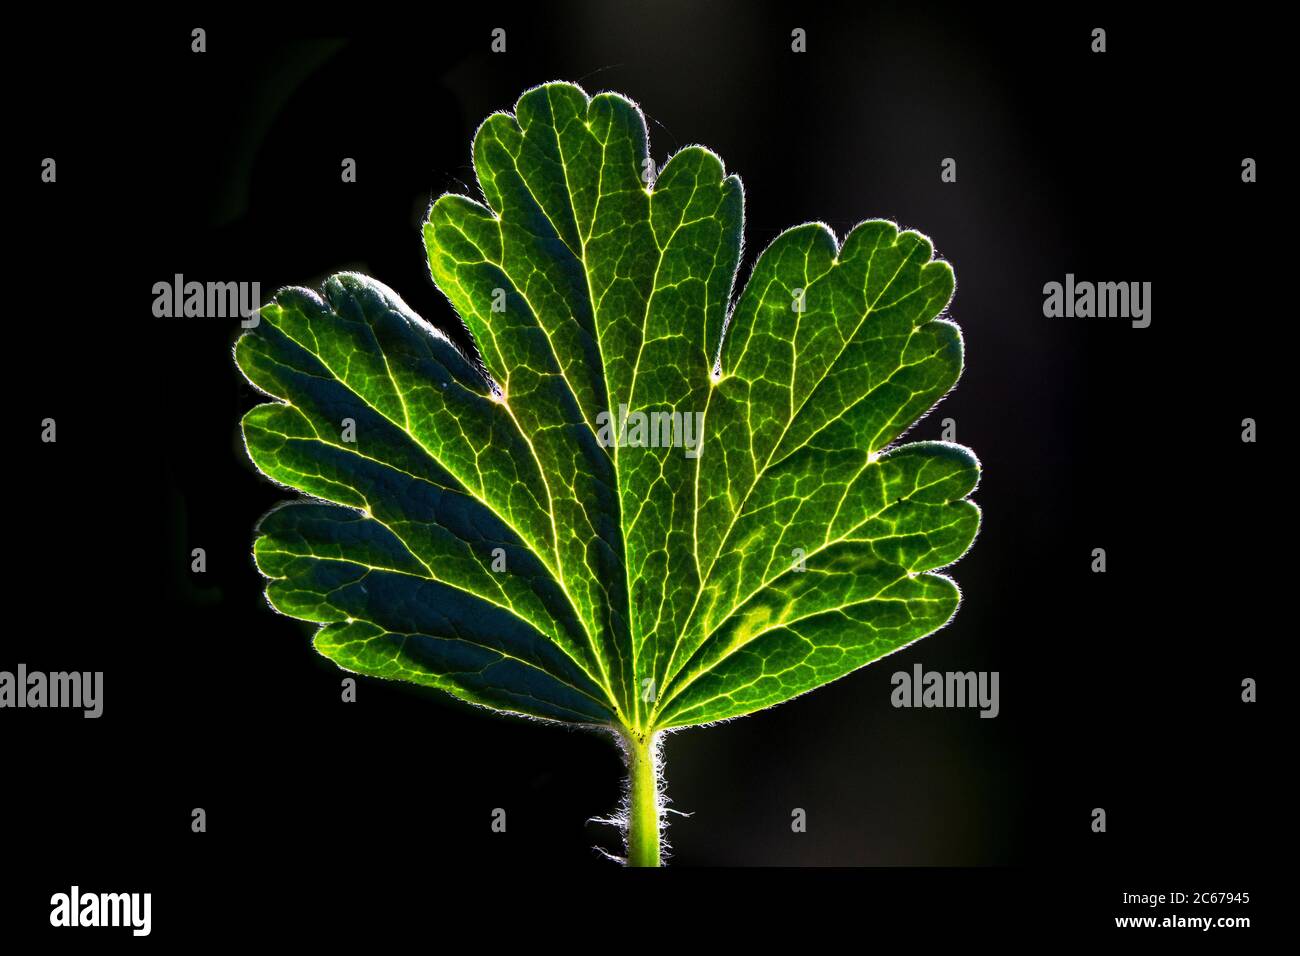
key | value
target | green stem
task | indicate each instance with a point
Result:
(643, 799)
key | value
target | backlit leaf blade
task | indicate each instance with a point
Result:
(859, 592)
(586, 252)
(414, 468)
(386, 616)
(646, 587)
(837, 350)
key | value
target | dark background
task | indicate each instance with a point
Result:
(1119, 690)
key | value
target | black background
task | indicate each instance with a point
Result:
(1119, 690)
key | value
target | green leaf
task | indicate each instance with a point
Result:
(649, 587)
(478, 531)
